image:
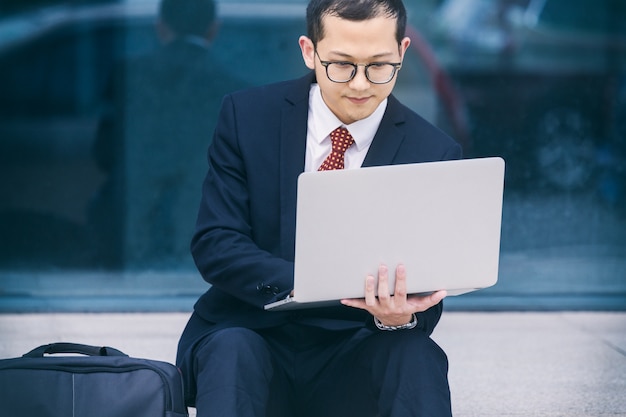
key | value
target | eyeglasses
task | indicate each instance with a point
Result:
(344, 71)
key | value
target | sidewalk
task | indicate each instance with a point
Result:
(501, 364)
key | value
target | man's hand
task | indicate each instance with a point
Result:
(393, 310)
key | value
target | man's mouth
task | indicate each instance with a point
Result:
(359, 100)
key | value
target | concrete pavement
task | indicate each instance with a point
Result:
(569, 364)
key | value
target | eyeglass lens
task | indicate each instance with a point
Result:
(376, 73)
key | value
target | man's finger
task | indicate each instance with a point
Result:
(370, 291)
(437, 296)
(423, 303)
(383, 284)
(400, 286)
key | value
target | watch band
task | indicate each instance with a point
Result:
(406, 326)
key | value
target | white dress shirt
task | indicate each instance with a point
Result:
(322, 122)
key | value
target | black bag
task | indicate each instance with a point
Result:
(104, 383)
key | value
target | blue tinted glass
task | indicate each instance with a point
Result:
(100, 172)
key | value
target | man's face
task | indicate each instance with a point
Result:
(362, 42)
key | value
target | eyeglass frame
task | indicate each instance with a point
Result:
(396, 66)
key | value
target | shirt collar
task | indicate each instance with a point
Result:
(325, 121)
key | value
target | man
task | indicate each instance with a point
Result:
(151, 145)
(369, 357)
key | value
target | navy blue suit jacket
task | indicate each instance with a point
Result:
(245, 232)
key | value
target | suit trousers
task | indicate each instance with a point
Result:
(297, 370)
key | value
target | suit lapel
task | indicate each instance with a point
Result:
(389, 136)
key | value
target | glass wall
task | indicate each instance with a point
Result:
(543, 84)
(102, 144)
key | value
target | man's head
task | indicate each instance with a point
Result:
(355, 10)
(354, 32)
(186, 17)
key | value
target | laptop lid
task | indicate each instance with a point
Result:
(440, 219)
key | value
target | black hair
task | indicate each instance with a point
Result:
(188, 17)
(355, 10)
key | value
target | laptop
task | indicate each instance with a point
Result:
(440, 219)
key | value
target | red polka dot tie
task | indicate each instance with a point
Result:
(341, 140)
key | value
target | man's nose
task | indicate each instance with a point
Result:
(360, 81)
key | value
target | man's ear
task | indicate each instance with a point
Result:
(404, 45)
(308, 51)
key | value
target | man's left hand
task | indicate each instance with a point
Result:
(396, 309)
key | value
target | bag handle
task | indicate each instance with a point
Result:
(88, 350)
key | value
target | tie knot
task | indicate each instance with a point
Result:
(341, 140)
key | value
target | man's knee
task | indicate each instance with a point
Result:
(409, 348)
(236, 349)
(225, 359)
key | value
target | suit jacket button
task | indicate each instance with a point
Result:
(267, 289)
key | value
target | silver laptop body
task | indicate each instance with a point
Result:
(440, 219)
